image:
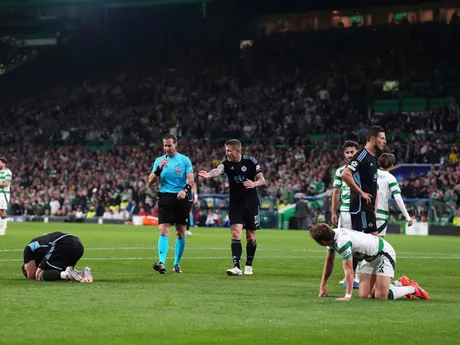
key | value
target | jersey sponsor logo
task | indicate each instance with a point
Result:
(232, 168)
(257, 167)
(178, 169)
(372, 164)
(243, 168)
(239, 178)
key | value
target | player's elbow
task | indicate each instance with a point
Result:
(345, 175)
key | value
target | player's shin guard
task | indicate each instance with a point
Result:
(163, 246)
(237, 249)
(179, 250)
(250, 252)
(51, 275)
(398, 292)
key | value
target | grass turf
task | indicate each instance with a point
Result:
(129, 303)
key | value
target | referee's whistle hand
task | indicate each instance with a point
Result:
(163, 163)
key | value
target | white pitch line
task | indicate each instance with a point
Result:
(415, 254)
(226, 257)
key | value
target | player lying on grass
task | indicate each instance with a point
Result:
(377, 269)
(52, 257)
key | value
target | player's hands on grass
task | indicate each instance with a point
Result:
(343, 299)
(367, 197)
(203, 174)
(249, 184)
(334, 219)
(323, 292)
(181, 195)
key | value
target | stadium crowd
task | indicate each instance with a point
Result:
(87, 149)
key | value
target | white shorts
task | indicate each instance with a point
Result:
(4, 201)
(382, 226)
(383, 265)
(345, 220)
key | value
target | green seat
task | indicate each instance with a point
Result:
(413, 104)
(436, 103)
(384, 105)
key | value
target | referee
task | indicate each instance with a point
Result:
(175, 174)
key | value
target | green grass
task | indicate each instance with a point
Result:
(129, 303)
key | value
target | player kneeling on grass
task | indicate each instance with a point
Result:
(378, 265)
(53, 256)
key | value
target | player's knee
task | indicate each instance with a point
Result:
(164, 229)
(381, 295)
(251, 235)
(364, 293)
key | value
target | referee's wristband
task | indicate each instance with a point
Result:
(158, 171)
(187, 188)
(348, 295)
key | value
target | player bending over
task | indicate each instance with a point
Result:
(53, 256)
(377, 269)
(388, 187)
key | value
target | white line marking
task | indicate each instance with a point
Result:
(415, 254)
(227, 257)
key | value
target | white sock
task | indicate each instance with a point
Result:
(396, 283)
(398, 292)
(5, 221)
(64, 275)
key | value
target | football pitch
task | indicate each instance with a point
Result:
(129, 303)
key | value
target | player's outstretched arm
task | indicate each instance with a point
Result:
(349, 277)
(403, 209)
(213, 173)
(327, 271)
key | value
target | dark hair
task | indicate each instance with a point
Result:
(387, 160)
(236, 144)
(350, 143)
(4, 160)
(170, 136)
(321, 232)
(373, 132)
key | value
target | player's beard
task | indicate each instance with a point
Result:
(378, 151)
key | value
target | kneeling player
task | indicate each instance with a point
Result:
(377, 269)
(52, 257)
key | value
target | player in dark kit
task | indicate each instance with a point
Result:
(53, 256)
(361, 176)
(244, 175)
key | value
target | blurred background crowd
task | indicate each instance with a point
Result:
(84, 147)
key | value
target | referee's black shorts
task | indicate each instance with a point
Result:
(364, 221)
(171, 210)
(63, 253)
